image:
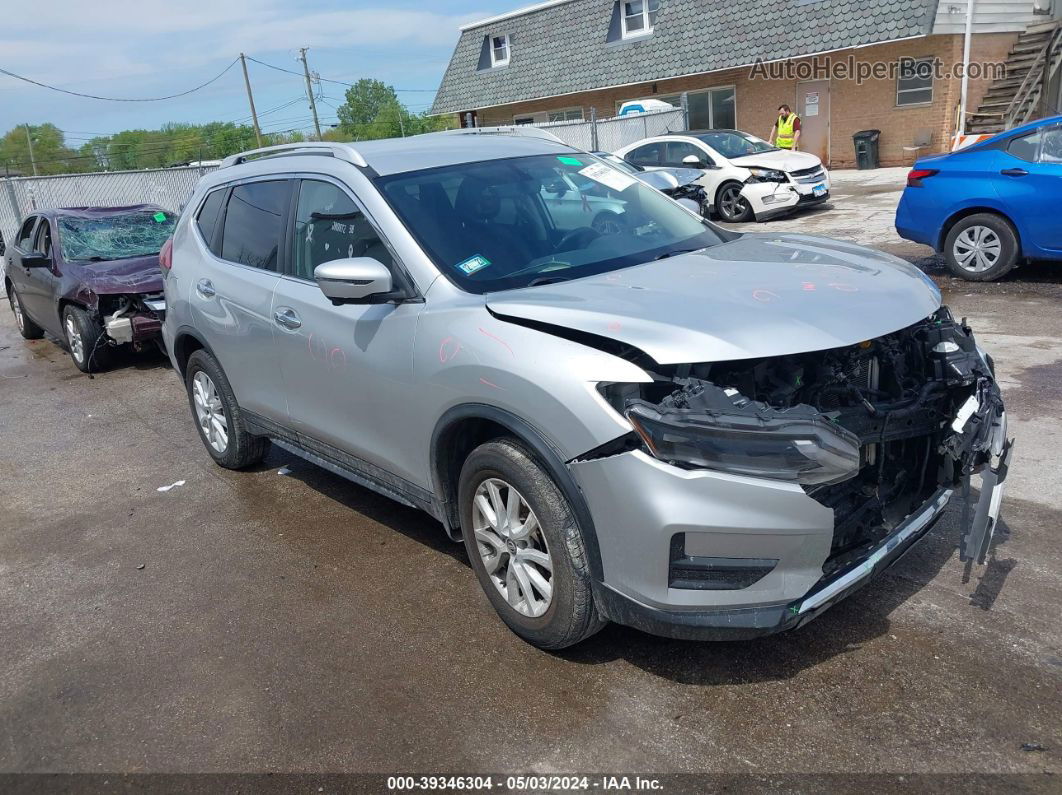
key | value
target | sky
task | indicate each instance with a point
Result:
(125, 49)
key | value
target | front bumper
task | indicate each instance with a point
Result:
(755, 621)
(772, 199)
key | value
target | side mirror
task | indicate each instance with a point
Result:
(355, 280)
(36, 259)
(694, 162)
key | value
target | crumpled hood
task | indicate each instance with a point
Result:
(782, 159)
(137, 275)
(758, 295)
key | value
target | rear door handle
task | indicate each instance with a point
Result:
(286, 317)
(1014, 172)
(205, 288)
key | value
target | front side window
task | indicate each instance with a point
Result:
(253, 223)
(638, 17)
(138, 233)
(329, 226)
(505, 224)
(499, 50)
(736, 144)
(914, 84)
(677, 151)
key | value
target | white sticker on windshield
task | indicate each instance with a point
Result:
(608, 176)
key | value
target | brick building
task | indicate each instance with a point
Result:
(563, 59)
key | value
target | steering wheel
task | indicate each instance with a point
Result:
(577, 238)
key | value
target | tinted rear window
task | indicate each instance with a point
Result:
(208, 214)
(253, 223)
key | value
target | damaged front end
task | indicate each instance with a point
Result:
(134, 319)
(874, 431)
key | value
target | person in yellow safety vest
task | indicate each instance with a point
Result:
(785, 134)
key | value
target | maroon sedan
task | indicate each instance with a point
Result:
(90, 276)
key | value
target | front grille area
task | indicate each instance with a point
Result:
(808, 176)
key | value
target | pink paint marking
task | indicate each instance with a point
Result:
(844, 288)
(448, 349)
(488, 383)
(764, 296)
(498, 340)
(337, 362)
(809, 287)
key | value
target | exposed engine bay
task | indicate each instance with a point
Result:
(871, 431)
(135, 319)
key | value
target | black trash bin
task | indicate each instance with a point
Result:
(866, 148)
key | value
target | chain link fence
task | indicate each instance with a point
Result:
(166, 187)
(608, 135)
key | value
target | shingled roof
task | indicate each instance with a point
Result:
(563, 46)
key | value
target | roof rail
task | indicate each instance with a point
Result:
(338, 150)
(522, 130)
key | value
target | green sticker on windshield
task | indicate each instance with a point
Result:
(160, 217)
(570, 161)
(473, 264)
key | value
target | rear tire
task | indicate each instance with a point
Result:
(532, 546)
(981, 247)
(218, 417)
(26, 327)
(85, 340)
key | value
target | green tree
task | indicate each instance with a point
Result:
(49, 151)
(372, 110)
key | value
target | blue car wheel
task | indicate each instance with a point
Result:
(981, 247)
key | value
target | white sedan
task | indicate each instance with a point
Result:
(745, 177)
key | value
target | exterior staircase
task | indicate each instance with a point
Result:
(1019, 96)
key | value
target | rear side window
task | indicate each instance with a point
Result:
(645, 155)
(1026, 147)
(677, 151)
(208, 215)
(253, 220)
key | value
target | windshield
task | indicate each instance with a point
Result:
(736, 144)
(502, 224)
(137, 233)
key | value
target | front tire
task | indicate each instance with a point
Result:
(730, 205)
(217, 415)
(981, 248)
(85, 340)
(525, 546)
(26, 327)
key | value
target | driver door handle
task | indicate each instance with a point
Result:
(286, 317)
(1014, 172)
(205, 288)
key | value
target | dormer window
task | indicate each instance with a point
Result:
(499, 50)
(638, 17)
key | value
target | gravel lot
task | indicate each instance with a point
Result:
(295, 622)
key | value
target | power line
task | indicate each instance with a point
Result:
(337, 82)
(122, 99)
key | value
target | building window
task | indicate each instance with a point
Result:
(914, 84)
(638, 17)
(499, 50)
(567, 114)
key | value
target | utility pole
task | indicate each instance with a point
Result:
(250, 101)
(309, 91)
(29, 140)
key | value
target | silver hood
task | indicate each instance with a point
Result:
(758, 295)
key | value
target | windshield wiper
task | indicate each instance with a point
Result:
(667, 254)
(547, 280)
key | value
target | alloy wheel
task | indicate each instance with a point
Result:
(209, 412)
(512, 547)
(16, 307)
(977, 249)
(731, 203)
(74, 340)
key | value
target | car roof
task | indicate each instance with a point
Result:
(389, 156)
(1028, 127)
(695, 133)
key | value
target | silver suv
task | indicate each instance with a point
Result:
(625, 412)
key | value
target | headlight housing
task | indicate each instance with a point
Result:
(799, 444)
(767, 175)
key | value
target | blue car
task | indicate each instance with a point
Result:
(992, 205)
